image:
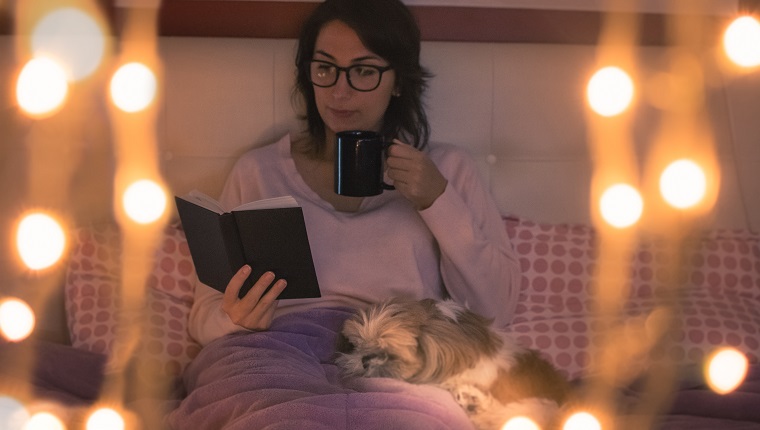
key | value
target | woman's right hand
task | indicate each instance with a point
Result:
(253, 311)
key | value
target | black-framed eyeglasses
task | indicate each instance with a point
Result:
(361, 77)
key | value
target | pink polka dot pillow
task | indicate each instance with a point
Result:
(721, 306)
(93, 301)
(557, 263)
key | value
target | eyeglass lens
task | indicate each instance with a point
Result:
(360, 77)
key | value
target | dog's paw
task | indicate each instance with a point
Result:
(471, 398)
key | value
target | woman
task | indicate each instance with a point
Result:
(437, 235)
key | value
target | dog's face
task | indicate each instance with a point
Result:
(416, 341)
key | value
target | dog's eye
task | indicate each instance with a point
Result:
(344, 345)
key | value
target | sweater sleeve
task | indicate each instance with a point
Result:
(208, 321)
(478, 263)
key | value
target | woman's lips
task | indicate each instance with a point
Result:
(342, 113)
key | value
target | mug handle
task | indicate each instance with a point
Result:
(387, 145)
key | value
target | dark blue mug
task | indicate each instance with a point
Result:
(359, 159)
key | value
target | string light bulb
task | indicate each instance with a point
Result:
(41, 87)
(16, 319)
(40, 241)
(610, 91)
(741, 41)
(144, 201)
(621, 205)
(683, 184)
(726, 370)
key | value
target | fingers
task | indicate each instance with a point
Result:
(235, 284)
(414, 175)
(255, 309)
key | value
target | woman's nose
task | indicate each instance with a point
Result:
(341, 87)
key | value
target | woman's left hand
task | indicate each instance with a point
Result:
(414, 175)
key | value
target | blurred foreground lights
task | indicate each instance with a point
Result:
(41, 87)
(105, 419)
(144, 201)
(582, 421)
(742, 41)
(44, 421)
(133, 87)
(40, 241)
(683, 184)
(16, 320)
(621, 205)
(520, 423)
(726, 370)
(73, 38)
(610, 91)
(13, 415)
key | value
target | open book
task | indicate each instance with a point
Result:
(268, 235)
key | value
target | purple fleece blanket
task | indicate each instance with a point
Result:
(285, 378)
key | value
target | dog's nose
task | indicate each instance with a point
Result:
(374, 358)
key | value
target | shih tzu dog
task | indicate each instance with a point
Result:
(445, 344)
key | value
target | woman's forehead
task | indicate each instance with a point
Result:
(338, 41)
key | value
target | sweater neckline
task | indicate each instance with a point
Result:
(294, 175)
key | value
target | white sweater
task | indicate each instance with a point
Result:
(458, 247)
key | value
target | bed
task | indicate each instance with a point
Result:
(526, 124)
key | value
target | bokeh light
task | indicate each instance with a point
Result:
(726, 370)
(610, 91)
(683, 184)
(16, 319)
(72, 38)
(582, 421)
(621, 205)
(520, 423)
(40, 241)
(44, 421)
(133, 87)
(41, 87)
(144, 201)
(741, 41)
(105, 419)
(13, 415)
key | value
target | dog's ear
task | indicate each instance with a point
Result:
(343, 345)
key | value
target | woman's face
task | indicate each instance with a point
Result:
(340, 106)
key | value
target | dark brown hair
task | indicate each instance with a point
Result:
(387, 28)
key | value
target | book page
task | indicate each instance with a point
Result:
(205, 201)
(271, 203)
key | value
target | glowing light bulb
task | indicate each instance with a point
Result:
(683, 184)
(741, 41)
(133, 87)
(72, 38)
(621, 205)
(144, 201)
(582, 421)
(105, 419)
(726, 370)
(520, 423)
(16, 319)
(44, 421)
(13, 415)
(610, 91)
(41, 87)
(40, 241)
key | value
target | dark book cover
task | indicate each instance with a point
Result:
(273, 239)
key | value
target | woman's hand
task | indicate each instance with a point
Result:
(414, 175)
(253, 311)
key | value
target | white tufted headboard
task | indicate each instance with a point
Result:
(518, 108)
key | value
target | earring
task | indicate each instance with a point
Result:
(396, 93)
